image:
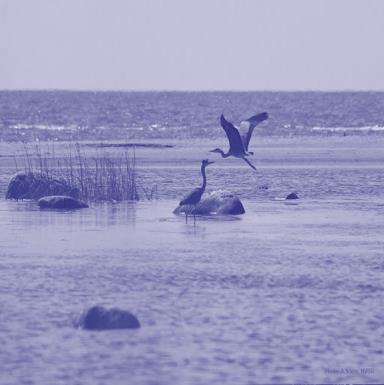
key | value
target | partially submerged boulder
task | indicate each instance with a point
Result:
(218, 202)
(100, 318)
(292, 195)
(60, 202)
(32, 185)
(222, 203)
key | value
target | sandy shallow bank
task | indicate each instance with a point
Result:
(158, 165)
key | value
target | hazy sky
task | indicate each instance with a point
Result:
(192, 44)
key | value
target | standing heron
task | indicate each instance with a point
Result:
(194, 197)
(238, 144)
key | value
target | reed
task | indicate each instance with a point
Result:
(103, 176)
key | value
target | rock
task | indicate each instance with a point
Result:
(292, 196)
(218, 202)
(36, 185)
(100, 318)
(231, 206)
(60, 202)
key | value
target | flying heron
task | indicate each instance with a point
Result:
(194, 197)
(238, 144)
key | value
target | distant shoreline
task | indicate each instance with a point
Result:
(191, 91)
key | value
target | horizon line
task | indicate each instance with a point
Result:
(183, 90)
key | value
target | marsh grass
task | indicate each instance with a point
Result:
(104, 176)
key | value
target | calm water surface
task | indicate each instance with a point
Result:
(286, 293)
(282, 294)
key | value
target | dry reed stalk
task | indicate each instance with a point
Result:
(105, 177)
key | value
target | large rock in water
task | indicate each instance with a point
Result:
(292, 195)
(218, 202)
(33, 185)
(100, 318)
(60, 202)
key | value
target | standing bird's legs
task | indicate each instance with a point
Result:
(194, 215)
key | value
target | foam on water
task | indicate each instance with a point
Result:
(43, 127)
(59, 115)
(349, 129)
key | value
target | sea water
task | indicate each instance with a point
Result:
(42, 115)
(286, 293)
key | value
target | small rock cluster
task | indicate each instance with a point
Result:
(50, 192)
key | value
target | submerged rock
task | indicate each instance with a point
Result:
(100, 318)
(60, 202)
(33, 185)
(292, 195)
(218, 202)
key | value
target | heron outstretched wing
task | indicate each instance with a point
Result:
(236, 145)
(253, 121)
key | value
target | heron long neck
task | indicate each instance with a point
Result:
(204, 177)
(223, 154)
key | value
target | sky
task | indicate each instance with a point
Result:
(192, 44)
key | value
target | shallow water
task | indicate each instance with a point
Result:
(284, 293)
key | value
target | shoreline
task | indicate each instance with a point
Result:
(267, 149)
(176, 168)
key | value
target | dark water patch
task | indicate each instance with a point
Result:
(261, 281)
(370, 288)
(129, 145)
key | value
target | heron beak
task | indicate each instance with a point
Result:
(209, 162)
